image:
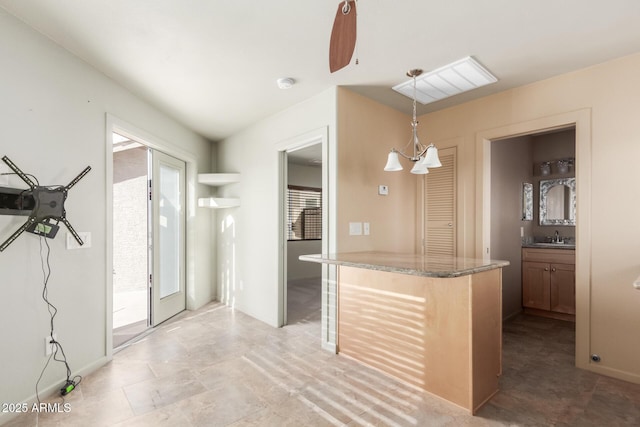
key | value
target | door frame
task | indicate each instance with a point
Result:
(329, 324)
(115, 124)
(581, 119)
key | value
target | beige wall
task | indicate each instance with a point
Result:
(366, 133)
(608, 146)
(511, 161)
(549, 147)
(514, 161)
(602, 100)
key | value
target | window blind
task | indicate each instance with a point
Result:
(304, 213)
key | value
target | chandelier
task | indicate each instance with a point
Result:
(423, 157)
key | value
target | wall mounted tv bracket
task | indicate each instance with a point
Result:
(42, 204)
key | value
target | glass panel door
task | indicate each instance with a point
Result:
(168, 211)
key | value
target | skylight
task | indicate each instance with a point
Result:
(460, 76)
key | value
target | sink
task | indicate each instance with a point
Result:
(563, 245)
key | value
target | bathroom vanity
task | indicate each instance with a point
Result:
(434, 322)
(549, 280)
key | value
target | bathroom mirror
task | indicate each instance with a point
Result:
(527, 201)
(558, 201)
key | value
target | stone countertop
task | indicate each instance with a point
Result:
(413, 264)
(549, 245)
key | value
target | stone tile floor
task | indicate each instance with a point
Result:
(219, 367)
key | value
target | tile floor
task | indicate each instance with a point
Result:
(218, 367)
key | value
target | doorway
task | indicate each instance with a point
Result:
(581, 121)
(148, 237)
(303, 216)
(530, 158)
(131, 305)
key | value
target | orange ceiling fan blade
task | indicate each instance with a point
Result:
(343, 36)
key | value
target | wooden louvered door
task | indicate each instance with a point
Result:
(439, 198)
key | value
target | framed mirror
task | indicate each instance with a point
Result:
(558, 201)
(527, 201)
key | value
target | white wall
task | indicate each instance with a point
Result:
(248, 253)
(53, 108)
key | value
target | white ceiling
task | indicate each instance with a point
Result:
(213, 64)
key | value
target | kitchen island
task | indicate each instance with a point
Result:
(434, 322)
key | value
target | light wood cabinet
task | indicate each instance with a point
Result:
(548, 282)
(442, 334)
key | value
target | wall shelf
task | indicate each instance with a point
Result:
(218, 179)
(217, 202)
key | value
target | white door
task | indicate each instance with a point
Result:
(168, 237)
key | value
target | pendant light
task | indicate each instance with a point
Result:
(424, 157)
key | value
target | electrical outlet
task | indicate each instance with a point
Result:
(73, 244)
(48, 347)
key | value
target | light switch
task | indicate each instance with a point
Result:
(367, 229)
(73, 244)
(355, 229)
(383, 190)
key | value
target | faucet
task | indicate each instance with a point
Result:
(557, 238)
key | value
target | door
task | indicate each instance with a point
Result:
(440, 206)
(167, 250)
(563, 288)
(535, 285)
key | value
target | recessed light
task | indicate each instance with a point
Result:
(285, 82)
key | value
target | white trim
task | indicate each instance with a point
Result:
(329, 195)
(114, 124)
(581, 119)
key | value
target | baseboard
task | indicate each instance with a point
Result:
(511, 316)
(611, 372)
(304, 280)
(54, 388)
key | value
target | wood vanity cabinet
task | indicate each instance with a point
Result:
(549, 282)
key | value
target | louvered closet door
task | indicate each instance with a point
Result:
(440, 206)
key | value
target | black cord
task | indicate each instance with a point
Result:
(40, 377)
(46, 273)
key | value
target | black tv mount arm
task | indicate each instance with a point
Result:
(41, 203)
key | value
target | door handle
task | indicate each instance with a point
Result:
(553, 269)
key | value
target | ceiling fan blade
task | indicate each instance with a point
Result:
(343, 37)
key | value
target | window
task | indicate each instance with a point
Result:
(304, 216)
